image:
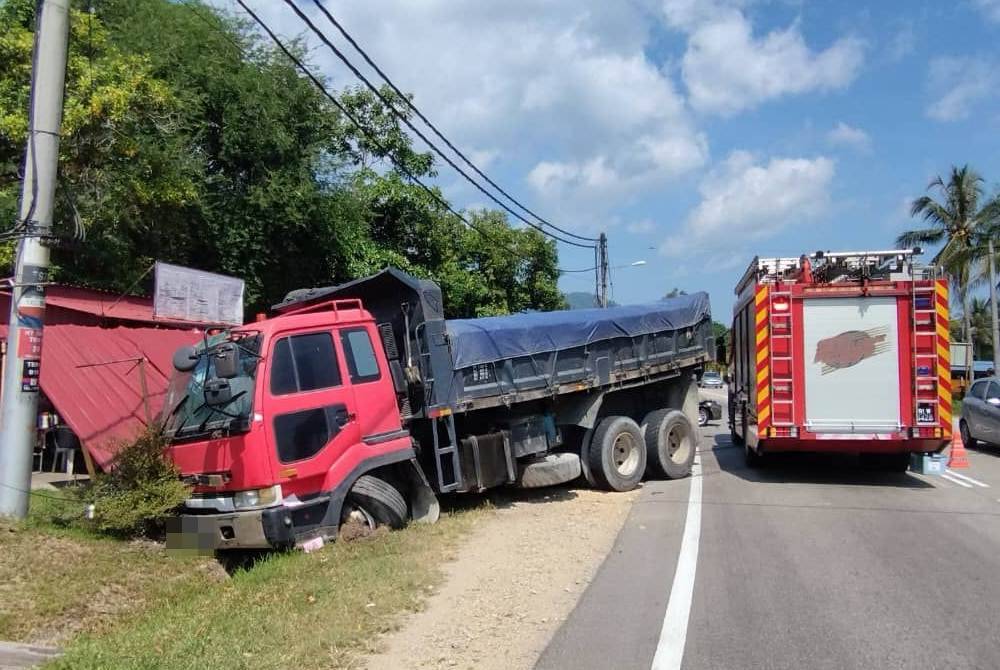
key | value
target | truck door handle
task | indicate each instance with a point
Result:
(342, 417)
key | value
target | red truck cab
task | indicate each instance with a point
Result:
(320, 377)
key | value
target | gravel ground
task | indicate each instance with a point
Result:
(513, 581)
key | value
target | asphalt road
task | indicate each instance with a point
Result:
(810, 563)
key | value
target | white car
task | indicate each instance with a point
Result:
(711, 380)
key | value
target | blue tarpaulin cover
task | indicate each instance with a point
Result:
(496, 338)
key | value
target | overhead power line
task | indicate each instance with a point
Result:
(409, 103)
(409, 124)
(366, 132)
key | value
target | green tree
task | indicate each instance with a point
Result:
(959, 220)
(188, 138)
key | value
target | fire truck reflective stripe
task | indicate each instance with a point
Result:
(943, 356)
(763, 361)
(762, 355)
(763, 414)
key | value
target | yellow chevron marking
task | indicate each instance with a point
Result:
(761, 335)
(761, 316)
(943, 353)
(761, 295)
(762, 397)
(762, 354)
(763, 413)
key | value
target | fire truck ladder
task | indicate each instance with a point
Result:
(780, 355)
(925, 357)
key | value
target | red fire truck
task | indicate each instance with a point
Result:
(841, 352)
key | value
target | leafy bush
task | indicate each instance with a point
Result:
(139, 491)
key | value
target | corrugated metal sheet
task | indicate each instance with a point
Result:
(99, 304)
(103, 403)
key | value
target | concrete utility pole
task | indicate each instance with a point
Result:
(991, 259)
(602, 270)
(27, 305)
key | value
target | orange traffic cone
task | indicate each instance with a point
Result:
(958, 458)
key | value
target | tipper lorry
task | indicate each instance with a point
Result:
(841, 352)
(362, 402)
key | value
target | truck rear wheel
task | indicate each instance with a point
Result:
(374, 502)
(670, 443)
(617, 454)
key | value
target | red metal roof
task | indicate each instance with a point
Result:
(103, 404)
(102, 304)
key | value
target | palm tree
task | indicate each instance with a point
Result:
(962, 224)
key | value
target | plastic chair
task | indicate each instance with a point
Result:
(65, 444)
(38, 452)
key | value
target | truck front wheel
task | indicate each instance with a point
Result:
(374, 502)
(617, 454)
(670, 443)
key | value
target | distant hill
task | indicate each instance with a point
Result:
(583, 300)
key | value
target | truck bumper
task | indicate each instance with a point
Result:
(839, 444)
(251, 529)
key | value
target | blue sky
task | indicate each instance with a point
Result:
(696, 133)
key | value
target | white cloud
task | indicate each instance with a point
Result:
(958, 83)
(989, 8)
(903, 42)
(844, 135)
(641, 227)
(727, 69)
(746, 199)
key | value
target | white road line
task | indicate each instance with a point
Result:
(673, 634)
(955, 480)
(966, 478)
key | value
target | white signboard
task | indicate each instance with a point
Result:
(852, 364)
(184, 294)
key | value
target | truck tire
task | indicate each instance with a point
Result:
(617, 454)
(754, 458)
(670, 443)
(588, 476)
(375, 502)
(548, 470)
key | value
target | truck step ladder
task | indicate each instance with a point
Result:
(446, 458)
(924, 348)
(780, 329)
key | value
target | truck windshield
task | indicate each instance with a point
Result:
(186, 415)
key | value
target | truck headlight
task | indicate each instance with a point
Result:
(257, 497)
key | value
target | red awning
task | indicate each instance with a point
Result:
(103, 403)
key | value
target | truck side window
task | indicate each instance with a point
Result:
(361, 362)
(304, 363)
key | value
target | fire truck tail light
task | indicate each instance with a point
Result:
(781, 306)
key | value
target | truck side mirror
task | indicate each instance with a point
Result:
(185, 359)
(218, 392)
(227, 360)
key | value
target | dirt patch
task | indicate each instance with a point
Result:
(513, 581)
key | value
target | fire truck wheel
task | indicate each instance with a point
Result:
(617, 454)
(670, 443)
(754, 458)
(375, 502)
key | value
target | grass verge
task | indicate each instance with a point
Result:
(129, 605)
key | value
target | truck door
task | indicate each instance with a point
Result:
(309, 410)
(378, 416)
